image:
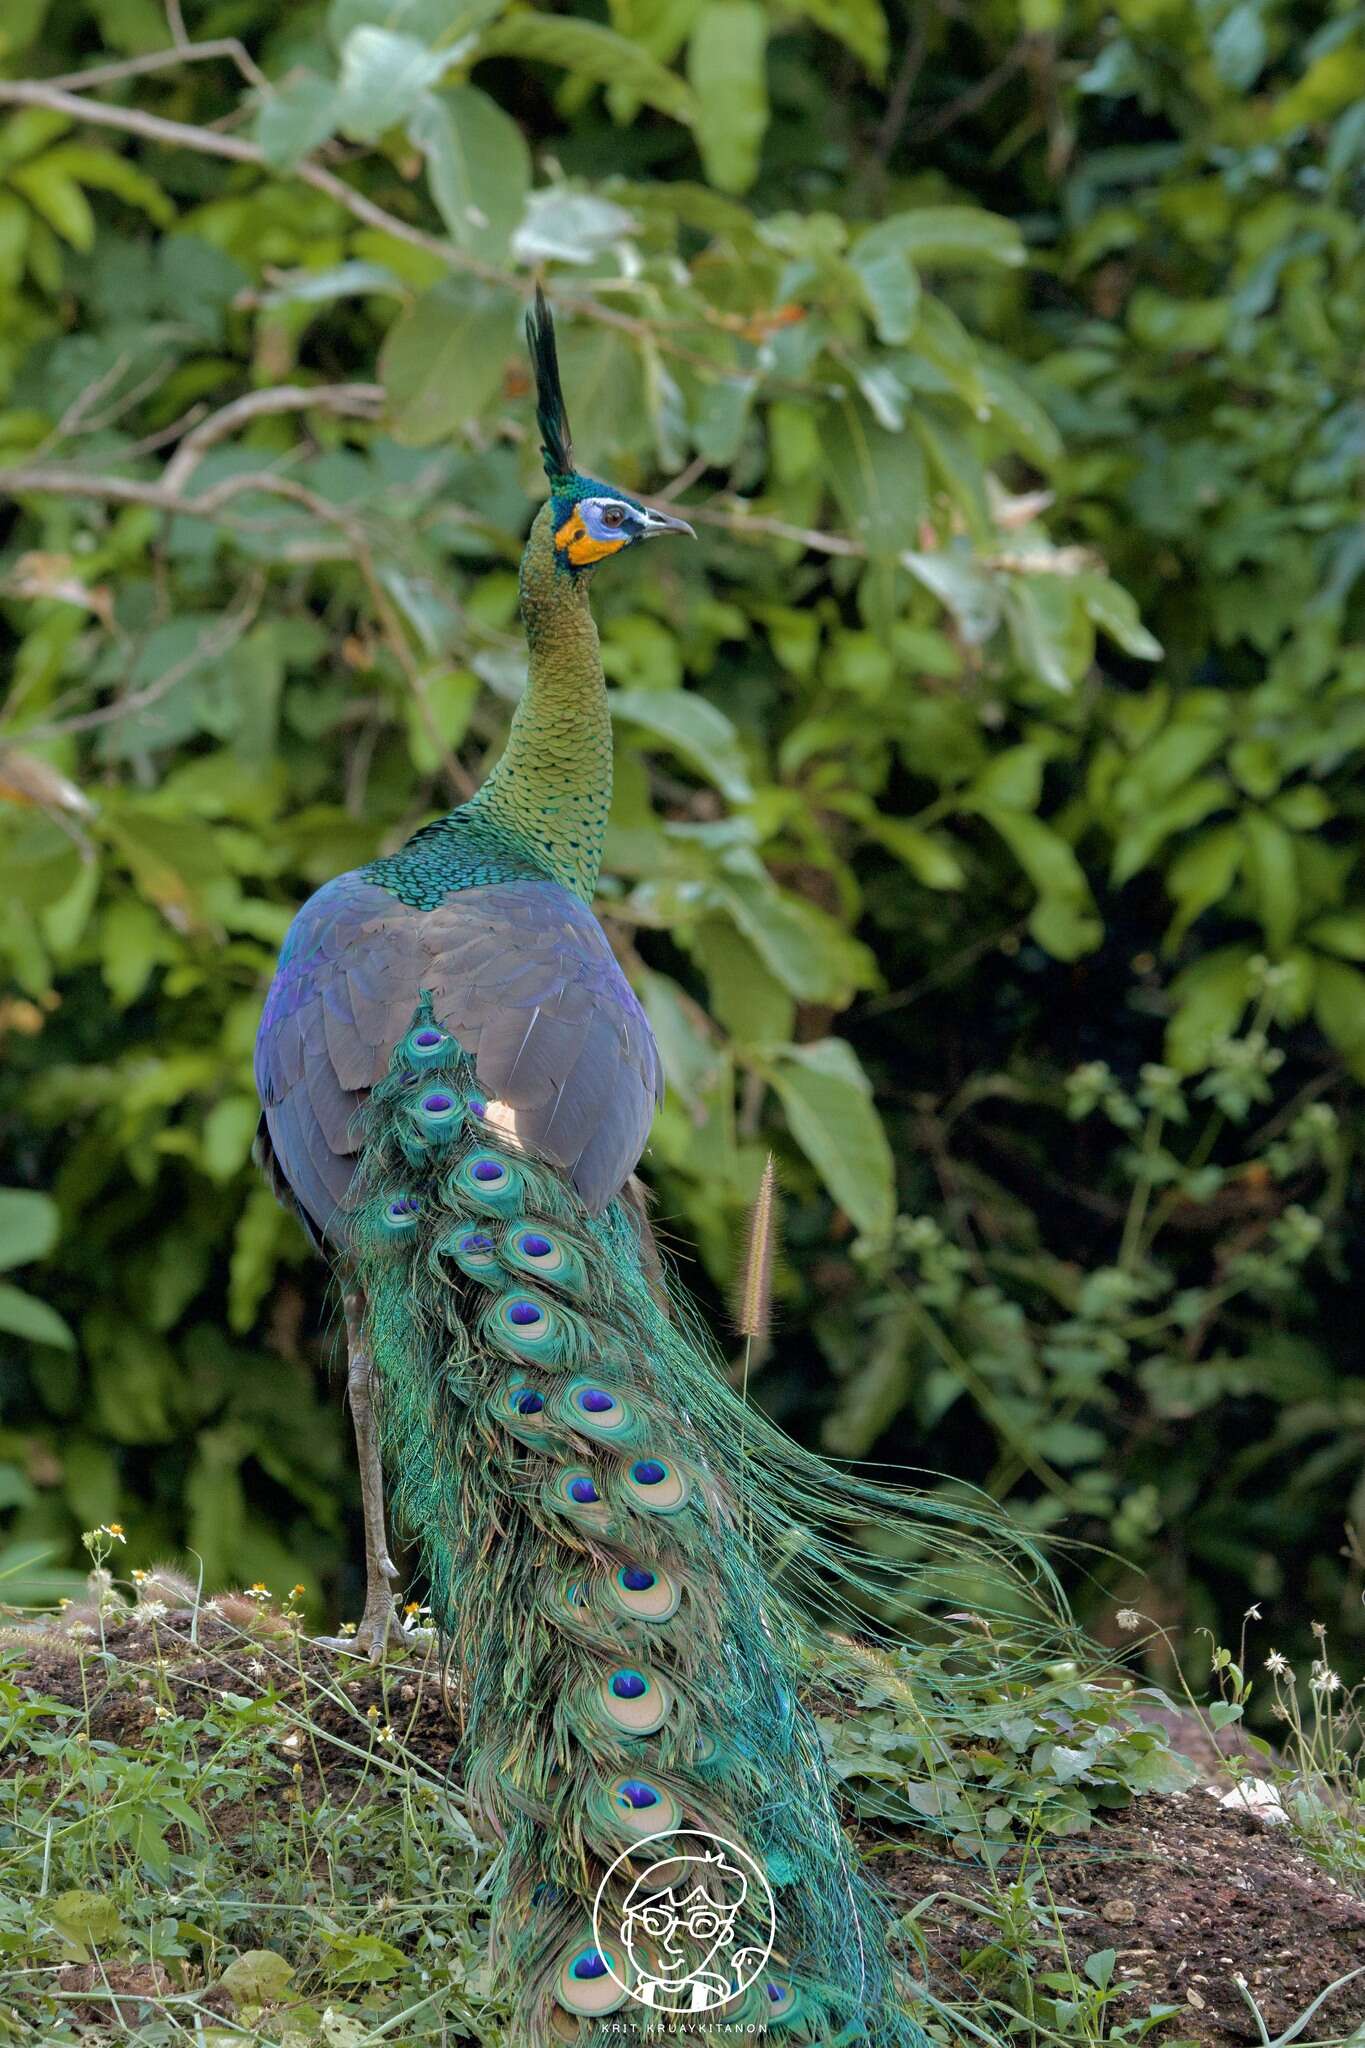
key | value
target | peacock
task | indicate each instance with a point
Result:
(635, 1573)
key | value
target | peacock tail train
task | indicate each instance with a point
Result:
(626, 1666)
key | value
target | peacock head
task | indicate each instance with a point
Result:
(590, 520)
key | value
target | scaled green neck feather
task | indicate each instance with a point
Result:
(552, 787)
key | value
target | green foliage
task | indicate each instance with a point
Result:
(1010, 714)
(987, 1749)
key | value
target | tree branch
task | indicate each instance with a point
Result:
(162, 60)
(208, 142)
(364, 400)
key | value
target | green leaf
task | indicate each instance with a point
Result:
(23, 1315)
(443, 361)
(1115, 612)
(743, 997)
(929, 858)
(260, 1976)
(946, 236)
(58, 198)
(107, 172)
(338, 281)
(828, 1102)
(591, 52)
(86, 1919)
(1013, 777)
(478, 165)
(383, 76)
(727, 66)
(1341, 932)
(1201, 875)
(1210, 996)
(439, 22)
(877, 478)
(1064, 921)
(563, 226)
(363, 1959)
(229, 1129)
(1339, 1005)
(957, 581)
(134, 940)
(1272, 869)
(299, 114)
(803, 947)
(687, 1045)
(695, 729)
(1051, 632)
(889, 281)
(29, 1224)
(860, 24)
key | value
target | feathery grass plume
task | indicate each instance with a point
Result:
(754, 1296)
(753, 1307)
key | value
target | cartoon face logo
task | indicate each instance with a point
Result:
(696, 1924)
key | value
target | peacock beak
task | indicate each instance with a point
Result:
(663, 522)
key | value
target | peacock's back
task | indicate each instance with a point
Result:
(519, 972)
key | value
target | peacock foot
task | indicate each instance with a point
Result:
(380, 1624)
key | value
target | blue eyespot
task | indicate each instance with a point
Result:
(583, 1491)
(529, 1403)
(524, 1314)
(534, 1245)
(648, 1472)
(638, 1794)
(629, 1685)
(592, 1963)
(595, 1401)
(636, 1579)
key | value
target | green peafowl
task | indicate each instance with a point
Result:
(630, 1567)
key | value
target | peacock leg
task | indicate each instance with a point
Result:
(381, 1614)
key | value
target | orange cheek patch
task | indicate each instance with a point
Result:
(582, 552)
(574, 540)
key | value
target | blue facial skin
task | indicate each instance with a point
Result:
(614, 520)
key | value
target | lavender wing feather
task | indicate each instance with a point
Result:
(519, 972)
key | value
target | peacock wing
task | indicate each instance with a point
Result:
(521, 973)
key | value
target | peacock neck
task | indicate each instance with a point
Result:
(552, 787)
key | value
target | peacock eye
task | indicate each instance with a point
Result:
(612, 515)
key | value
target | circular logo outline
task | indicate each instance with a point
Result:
(744, 1860)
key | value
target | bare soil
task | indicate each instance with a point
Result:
(1191, 1897)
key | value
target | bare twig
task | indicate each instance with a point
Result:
(163, 60)
(228, 630)
(208, 142)
(365, 400)
(975, 97)
(912, 63)
(735, 519)
(64, 481)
